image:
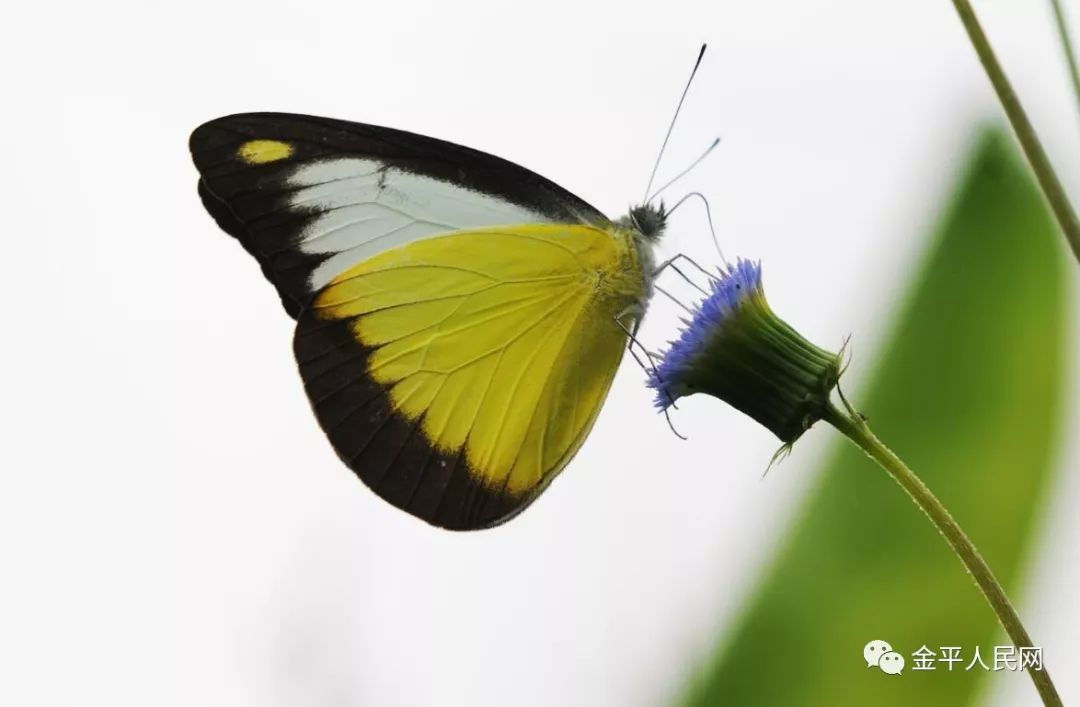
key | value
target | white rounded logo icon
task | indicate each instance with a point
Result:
(873, 652)
(891, 663)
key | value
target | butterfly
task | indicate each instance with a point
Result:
(459, 318)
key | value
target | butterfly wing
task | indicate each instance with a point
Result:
(458, 375)
(455, 362)
(310, 197)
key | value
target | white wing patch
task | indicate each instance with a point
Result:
(365, 208)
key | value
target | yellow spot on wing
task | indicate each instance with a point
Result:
(263, 151)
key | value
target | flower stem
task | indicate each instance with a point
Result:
(852, 426)
(1066, 45)
(1025, 133)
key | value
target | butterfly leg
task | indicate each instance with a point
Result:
(634, 313)
(671, 263)
(651, 369)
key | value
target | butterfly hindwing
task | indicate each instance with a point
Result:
(310, 197)
(458, 375)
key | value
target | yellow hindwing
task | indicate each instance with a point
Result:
(500, 342)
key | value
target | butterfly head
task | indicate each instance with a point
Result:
(648, 220)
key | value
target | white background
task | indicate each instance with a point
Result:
(175, 530)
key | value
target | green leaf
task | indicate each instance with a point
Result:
(969, 393)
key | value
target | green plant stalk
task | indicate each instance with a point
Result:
(852, 426)
(1066, 45)
(1025, 133)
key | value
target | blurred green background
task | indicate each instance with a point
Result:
(969, 391)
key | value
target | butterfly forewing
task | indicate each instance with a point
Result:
(309, 197)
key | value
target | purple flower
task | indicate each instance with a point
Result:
(735, 348)
(728, 293)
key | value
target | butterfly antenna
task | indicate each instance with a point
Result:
(708, 216)
(671, 127)
(686, 171)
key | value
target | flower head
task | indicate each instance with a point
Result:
(735, 348)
